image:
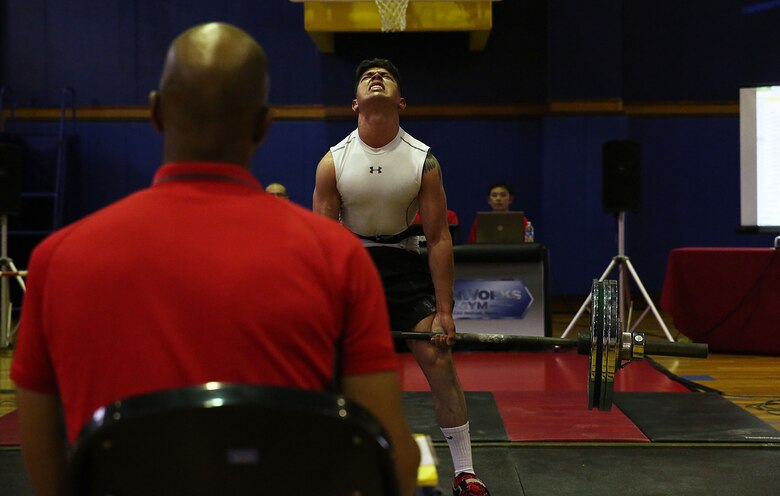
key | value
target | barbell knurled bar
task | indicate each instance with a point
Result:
(510, 342)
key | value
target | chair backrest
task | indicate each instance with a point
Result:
(233, 439)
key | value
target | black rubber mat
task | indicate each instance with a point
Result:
(652, 470)
(649, 470)
(12, 479)
(485, 424)
(693, 417)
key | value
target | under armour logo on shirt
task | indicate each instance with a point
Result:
(373, 169)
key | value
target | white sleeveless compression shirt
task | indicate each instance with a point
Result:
(379, 186)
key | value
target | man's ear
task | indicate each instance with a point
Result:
(354, 105)
(154, 111)
(402, 103)
(262, 124)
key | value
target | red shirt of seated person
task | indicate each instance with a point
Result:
(499, 198)
(452, 218)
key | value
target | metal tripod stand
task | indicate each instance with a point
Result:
(622, 262)
(8, 269)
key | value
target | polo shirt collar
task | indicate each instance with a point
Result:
(205, 171)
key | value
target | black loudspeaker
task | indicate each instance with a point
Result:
(10, 178)
(621, 176)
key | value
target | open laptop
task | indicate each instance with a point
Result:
(500, 227)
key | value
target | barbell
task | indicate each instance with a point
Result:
(607, 346)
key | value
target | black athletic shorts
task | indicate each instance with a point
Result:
(408, 286)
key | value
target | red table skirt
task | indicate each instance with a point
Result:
(728, 298)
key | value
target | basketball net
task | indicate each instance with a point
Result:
(393, 14)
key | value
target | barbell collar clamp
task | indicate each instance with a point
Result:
(637, 345)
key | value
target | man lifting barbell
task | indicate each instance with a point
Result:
(375, 181)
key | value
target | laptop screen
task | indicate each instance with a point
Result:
(500, 227)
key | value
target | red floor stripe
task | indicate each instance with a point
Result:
(536, 371)
(533, 416)
(9, 429)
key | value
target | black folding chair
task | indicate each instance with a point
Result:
(230, 439)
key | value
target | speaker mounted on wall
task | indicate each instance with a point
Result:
(621, 176)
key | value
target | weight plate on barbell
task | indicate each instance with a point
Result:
(612, 342)
(605, 344)
(596, 345)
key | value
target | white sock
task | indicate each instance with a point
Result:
(459, 441)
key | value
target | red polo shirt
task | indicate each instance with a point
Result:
(201, 277)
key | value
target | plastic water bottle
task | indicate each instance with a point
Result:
(528, 235)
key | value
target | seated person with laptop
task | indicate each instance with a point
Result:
(500, 225)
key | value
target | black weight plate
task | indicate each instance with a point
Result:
(595, 359)
(611, 343)
(605, 336)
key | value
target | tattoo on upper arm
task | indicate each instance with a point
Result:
(431, 164)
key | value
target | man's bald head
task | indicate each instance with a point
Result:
(276, 189)
(213, 95)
